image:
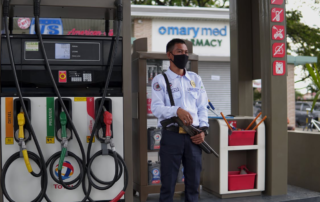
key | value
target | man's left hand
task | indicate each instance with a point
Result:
(198, 139)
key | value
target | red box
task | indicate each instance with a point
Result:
(242, 137)
(240, 182)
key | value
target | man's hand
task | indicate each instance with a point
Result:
(198, 139)
(185, 116)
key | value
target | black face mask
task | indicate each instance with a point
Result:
(180, 60)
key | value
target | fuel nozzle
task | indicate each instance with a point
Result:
(107, 119)
(21, 122)
(64, 142)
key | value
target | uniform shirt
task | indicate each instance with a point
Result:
(192, 99)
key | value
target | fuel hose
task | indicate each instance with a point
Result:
(40, 161)
(48, 68)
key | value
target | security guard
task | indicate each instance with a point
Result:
(191, 101)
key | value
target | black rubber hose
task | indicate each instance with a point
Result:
(78, 179)
(37, 26)
(6, 166)
(116, 177)
(28, 121)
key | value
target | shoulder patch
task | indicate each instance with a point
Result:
(156, 86)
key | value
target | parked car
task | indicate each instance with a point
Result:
(256, 108)
(301, 112)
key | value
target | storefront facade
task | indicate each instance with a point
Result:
(209, 31)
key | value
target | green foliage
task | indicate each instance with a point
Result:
(194, 3)
(306, 39)
(315, 78)
(256, 94)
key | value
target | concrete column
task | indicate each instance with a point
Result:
(241, 58)
(291, 100)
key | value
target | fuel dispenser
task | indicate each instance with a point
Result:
(62, 83)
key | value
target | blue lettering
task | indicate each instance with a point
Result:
(43, 27)
(215, 31)
(189, 28)
(225, 31)
(53, 29)
(183, 31)
(173, 29)
(162, 30)
(206, 29)
(195, 32)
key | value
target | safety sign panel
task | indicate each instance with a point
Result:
(279, 68)
(277, 2)
(62, 76)
(277, 15)
(278, 50)
(277, 32)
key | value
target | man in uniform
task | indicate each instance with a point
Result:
(191, 102)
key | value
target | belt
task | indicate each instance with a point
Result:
(175, 128)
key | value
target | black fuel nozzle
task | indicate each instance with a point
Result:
(118, 4)
(36, 7)
(6, 5)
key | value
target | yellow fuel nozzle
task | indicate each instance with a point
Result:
(21, 123)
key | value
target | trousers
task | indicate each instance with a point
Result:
(174, 149)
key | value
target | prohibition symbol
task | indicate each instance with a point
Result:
(62, 76)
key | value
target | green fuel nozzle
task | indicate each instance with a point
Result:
(63, 122)
(64, 142)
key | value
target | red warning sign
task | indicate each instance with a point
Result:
(277, 2)
(277, 15)
(277, 32)
(279, 68)
(278, 50)
(62, 76)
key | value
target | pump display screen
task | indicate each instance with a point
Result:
(62, 51)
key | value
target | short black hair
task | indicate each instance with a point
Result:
(170, 44)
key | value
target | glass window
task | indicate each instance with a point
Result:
(298, 106)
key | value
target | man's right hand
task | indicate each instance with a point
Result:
(185, 116)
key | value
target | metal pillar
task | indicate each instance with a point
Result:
(252, 58)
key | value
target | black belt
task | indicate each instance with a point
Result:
(175, 128)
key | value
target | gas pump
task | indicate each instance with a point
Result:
(42, 62)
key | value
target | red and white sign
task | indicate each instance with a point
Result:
(278, 50)
(62, 76)
(277, 2)
(86, 32)
(279, 68)
(90, 115)
(24, 23)
(277, 32)
(277, 15)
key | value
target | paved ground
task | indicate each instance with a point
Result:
(295, 194)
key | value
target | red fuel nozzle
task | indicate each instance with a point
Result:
(107, 119)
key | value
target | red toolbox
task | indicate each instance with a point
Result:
(240, 182)
(242, 137)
